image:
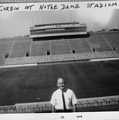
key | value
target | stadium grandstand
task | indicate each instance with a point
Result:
(89, 64)
(58, 31)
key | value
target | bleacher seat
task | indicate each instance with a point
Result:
(5, 46)
(40, 48)
(98, 43)
(79, 45)
(20, 48)
(60, 47)
(113, 38)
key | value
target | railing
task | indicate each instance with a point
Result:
(87, 104)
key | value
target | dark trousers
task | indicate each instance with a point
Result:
(64, 110)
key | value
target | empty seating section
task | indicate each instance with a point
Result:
(79, 45)
(1, 60)
(98, 43)
(113, 38)
(4, 50)
(20, 48)
(40, 48)
(5, 46)
(56, 47)
(60, 47)
(23, 46)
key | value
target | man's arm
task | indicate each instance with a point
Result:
(74, 101)
(52, 101)
(53, 108)
(74, 108)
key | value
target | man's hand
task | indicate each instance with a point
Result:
(53, 108)
(74, 108)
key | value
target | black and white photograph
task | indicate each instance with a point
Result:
(63, 61)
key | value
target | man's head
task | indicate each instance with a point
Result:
(60, 83)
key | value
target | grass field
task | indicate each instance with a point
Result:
(28, 84)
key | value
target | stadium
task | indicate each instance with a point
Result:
(87, 60)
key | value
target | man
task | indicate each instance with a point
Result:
(63, 100)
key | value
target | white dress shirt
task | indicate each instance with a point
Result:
(69, 96)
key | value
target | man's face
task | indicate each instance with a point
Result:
(60, 83)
